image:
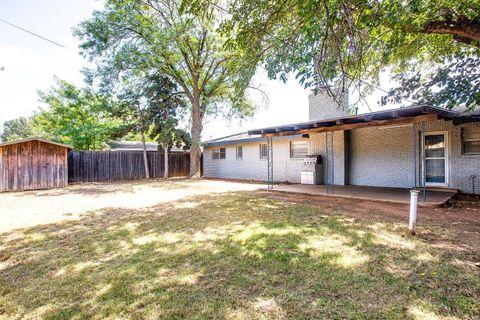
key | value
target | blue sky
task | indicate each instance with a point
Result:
(31, 64)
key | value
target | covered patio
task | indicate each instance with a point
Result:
(414, 168)
(435, 198)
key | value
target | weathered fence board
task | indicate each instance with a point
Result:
(89, 166)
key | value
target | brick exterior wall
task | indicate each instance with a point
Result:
(251, 167)
(317, 146)
(462, 167)
(381, 157)
(376, 156)
(384, 157)
(322, 106)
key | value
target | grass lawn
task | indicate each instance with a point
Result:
(236, 256)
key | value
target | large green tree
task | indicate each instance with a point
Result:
(148, 105)
(167, 106)
(431, 46)
(175, 39)
(134, 113)
(75, 116)
(20, 128)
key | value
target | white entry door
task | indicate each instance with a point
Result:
(436, 158)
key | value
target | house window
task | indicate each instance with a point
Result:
(298, 149)
(263, 151)
(471, 140)
(218, 153)
(239, 152)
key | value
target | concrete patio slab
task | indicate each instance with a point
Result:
(435, 198)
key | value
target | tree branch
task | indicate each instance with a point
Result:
(464, 30)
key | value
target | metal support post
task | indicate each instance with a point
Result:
(270, 162)
(414, 149)
(424, 165)
(326, 163)
(333, 164)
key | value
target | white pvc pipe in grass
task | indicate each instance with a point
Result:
(413, 210)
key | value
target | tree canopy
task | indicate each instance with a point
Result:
(149, 106)
(167, 106)
(432, 47)
(174, 39)
(20, 128)
(76, 116)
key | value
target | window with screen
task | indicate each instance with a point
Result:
(239, 152)
(219, 153)
(471, 140)
(263, 151)
(298, 149)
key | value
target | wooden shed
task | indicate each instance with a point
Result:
(32, 164)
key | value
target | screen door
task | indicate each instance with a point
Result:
(435, 158)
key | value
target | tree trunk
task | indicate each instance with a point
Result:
(196, 132)
(195, 150)
(145, 159)
(165, 163)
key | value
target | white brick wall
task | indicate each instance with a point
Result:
(322, 106)
(461, 166)
(384, 157)
(317, 146)
(378, 157)
(381, 157)
(251, 167)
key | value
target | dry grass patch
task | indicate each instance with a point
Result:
(232, 256)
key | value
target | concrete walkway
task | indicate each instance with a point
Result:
(393, 195)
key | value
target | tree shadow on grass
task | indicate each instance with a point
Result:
(232, 255)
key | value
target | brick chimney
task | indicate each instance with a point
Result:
(322, 106)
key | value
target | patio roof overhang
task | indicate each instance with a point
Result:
(398, 116)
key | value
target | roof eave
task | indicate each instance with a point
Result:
(214, 143)
(341, 122)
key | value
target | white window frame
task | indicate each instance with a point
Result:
(218, 151)
(446, 157)
(260, 155)
(291, 149)
(241, 153)
(469, 154)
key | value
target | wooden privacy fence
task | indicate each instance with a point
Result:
(87, 166)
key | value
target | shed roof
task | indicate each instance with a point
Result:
(36, 139)
(377, 118)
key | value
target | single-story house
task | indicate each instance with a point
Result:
(407, 147)
(32, 164)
